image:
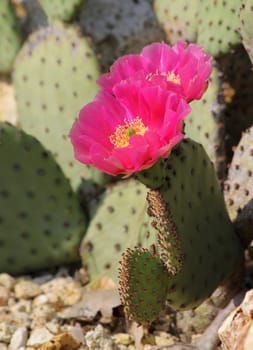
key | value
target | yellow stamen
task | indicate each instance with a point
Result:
(123, 133)
(170, 76)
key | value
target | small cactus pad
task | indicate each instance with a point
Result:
(61, 9)
(143, 285)
(239, 184)
(205, 124)
(197, 234)
(246, 28)
(41, 224)
(218, 25)
(178, 19)
(120, 222)
(10, 36)
(55, 75)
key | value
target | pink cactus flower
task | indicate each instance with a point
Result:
(180, 68)
(127, 134)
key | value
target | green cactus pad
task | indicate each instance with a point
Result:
(10, 36)
(61, 9)
(41, 224)
(120, 222)
(54, 77)
(239, 184)
(178, 19)
(194, 228)
(246, 28)
(218, 25)
(205, 124)
(143, 285)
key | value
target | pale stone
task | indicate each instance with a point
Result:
(4, 295)
(76, 332)
(123, 338)
(53, 326)
(62, 291)
(42, 314)
(7, 281)
(236, 331)
(21, 306)
(7, 329)
(3, 346)
(97, 339)
(39, 336)
(25, 289)
(41, 299)
(19, 339)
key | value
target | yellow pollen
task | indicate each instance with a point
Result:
(170, 76)
(123, 133)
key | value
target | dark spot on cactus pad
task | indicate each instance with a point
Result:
(107, 266)
(75, 94)
(74, 69)
(43, 106)
(56, 85)
(99, 226)
(246, 192)
(88, 246)
(66, 224)
(110, 209)
(192, 171)
(47, 217)
(230, 202)
(189, 205)
(11, 260)
(24, 77)
(47, 232)
(2, 242)
(182, 306)
(34, 251)
(40, 172)
(24, 235)
(117, 247)
(42, 60)
(22, 215)
(59, 61)
(182, 219)
(133, 210)
(4, 193)
(55, 246)
(57, 181)
(16, 167)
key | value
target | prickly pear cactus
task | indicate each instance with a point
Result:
(55, 74)
(61, 9)
(178, 19)
(10, 36)
(205, 123)
(239, 184)
(41, 224)
(246, 28)
(120, 220)
(218, 25)
(196, 237)
(137, 280)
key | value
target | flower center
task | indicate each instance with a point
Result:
(121, 137)
(170, 76)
